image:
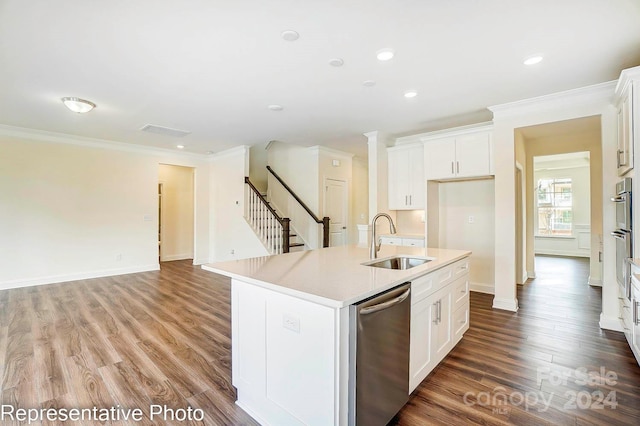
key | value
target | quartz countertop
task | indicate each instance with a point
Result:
(333, 276)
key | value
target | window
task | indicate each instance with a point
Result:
(555, 201)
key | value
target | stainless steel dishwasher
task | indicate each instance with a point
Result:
(379, 356)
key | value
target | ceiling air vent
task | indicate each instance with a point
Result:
(167, 131)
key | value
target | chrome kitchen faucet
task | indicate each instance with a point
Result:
(375, 245)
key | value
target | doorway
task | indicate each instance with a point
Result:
(336, 207)
(175, 212)
(562, 169)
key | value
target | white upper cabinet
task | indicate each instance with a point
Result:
(627, 103)
(406, 177)
(465, 155)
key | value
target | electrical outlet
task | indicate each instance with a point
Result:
(291, 323)
(233, 252)
(472, 219)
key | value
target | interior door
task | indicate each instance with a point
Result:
(336, 208)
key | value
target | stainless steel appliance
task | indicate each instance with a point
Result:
(379, 356)
(623, 234)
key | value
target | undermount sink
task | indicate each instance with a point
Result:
(399, 262)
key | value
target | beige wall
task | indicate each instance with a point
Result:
(71, 209)
(360, 197)
(458, 202)
(258, 166)
(177, 212)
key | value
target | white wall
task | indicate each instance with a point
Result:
(579, 244)
(177, 212)
(73, 208)
(458, 202)
(231, 235)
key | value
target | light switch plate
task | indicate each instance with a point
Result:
(291, 322)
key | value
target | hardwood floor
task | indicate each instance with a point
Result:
(163, 338)
(533, 367)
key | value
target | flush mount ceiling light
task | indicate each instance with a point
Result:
(368, 83)
(532, 60)
(78, 105)
(180, 146)
(410, 94)
(275, 107)
(336, 62)
(384, 54)
(290, 35)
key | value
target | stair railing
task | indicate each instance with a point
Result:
(324, 221)
(272, 229)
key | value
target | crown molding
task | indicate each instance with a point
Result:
(601, 93)
(242, 149)
(626, 78)
(64, 138)
(332, 151)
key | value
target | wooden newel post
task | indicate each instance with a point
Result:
(285, 234)
(325, 232)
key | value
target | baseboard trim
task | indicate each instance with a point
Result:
(505, 304)
(595, 282)
(563, 253)
(610, 323)
(200, 261)
(172, 257)
(482, 288)
(52, 279)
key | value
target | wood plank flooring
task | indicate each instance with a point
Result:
(164, 338)
(533, 367)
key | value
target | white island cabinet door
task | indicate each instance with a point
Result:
(284, 357)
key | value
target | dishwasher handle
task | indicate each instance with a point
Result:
(385, 305)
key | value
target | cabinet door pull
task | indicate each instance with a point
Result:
(435, 321)
(405, 200)
(452, 172)
(635, 311)
(457, 167)
(410, 200)
(439, 311)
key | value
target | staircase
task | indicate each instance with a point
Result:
(276, 232)
(273, 230)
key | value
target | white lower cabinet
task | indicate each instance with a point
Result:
(635, 318)
(439, 318)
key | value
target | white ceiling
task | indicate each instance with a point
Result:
(213, 67)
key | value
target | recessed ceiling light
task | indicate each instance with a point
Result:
(209, 152)
(275, 107)
(78, 105)
(336, 62)
(410, 94)
(290, 35)
(532, 60)
(369, 83)
(180, 146)
(384, 54)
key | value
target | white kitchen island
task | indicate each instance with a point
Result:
(290, 325)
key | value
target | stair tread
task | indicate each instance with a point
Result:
(296, 244)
